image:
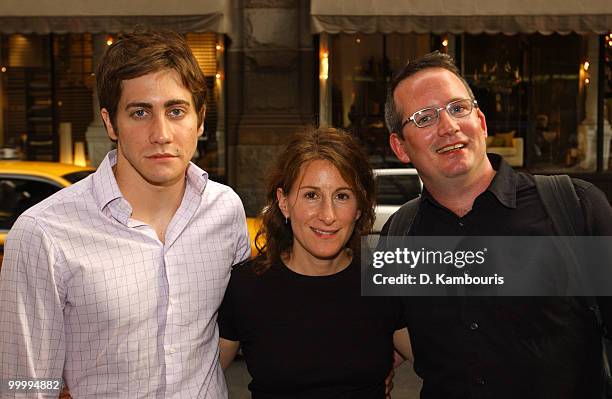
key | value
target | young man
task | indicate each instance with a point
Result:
(501, 347)
(113, 284)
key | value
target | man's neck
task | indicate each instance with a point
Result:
(458, 194)
(151, 204)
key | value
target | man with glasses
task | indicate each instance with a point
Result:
(493, 347)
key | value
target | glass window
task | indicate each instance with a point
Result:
(539, 95)
(76, 176)
(19, 194)
(360, 68)
(397, 189)
(48, 79)
(607, 99)
(208, 49)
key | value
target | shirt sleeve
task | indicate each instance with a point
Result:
(227, 328)
(597, 211)
(32, 341)
(243, 242)
(598, 221)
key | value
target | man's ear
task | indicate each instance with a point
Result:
(110, 130)
(201, 116)
(398, 147)
(483, 121)
(281, 198)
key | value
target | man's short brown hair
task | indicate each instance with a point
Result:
(394, 117)
(142, 52)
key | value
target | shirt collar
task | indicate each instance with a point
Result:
(106, 190)
(503, 186)
(105, 186)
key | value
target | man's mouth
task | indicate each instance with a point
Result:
(448, 148)
(162, 155)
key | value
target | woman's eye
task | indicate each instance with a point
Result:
(343, 196)
(310, 195)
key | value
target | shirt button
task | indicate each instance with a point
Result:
(479, 381)
(474, 326)
(171, 351)
(461, 224)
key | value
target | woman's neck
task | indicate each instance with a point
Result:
(309, 265)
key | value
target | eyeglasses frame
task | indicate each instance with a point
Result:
(411, 119)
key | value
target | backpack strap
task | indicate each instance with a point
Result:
(561, 204)
(403, 218)
(563, 207)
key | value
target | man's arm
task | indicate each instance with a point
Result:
(227, 350)
(32, 341)
(598, 222)
(401, 342)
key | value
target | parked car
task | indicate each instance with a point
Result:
(253, 224)
(394, 188)
(24, 184)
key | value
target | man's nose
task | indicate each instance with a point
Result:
(161, 132)
(446, 123)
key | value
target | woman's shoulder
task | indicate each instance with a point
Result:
(249, 270)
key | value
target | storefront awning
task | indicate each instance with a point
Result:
(459, 16)
(77, 16)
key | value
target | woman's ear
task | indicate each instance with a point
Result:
(281, 198)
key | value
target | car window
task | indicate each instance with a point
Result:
(397, 189)
(76, 176)
(18, 194)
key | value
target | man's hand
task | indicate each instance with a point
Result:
(389, 382)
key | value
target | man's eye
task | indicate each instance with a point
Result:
(176, 112)
(139, 113)
(457, 109)
(423, 118)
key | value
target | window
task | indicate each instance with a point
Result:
(18, 194)
(360, 68)
(539, 94)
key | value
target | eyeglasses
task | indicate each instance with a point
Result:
(430, 116)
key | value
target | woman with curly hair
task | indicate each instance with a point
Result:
(296, 310)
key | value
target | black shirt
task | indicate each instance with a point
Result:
(310, 337)
(506, 347)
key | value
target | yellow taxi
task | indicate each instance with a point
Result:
(254, 224)
(24, 184)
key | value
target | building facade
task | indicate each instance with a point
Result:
(541, 72)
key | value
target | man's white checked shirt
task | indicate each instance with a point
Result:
(88, 292)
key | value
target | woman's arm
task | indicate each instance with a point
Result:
(228, 350)
(401, 341)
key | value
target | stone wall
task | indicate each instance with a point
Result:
(270, 85)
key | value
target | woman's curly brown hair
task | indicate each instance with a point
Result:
(346, 154)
